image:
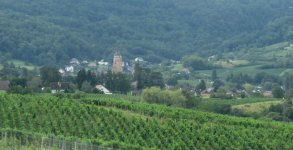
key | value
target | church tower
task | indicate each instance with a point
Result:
(117, 63)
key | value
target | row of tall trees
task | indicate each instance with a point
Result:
(145, 77)
(115, 82)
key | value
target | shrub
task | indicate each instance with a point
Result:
(79, 95)
(59, 94)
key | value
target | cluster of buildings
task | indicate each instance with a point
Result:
(118, 65)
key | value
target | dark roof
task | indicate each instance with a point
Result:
(191, 92)
(4, 85)
(59, 85)
(117, 54)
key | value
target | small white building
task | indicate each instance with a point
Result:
(59, 86)
(92, 65)
(102, 88)
(138, 59)
(61, 71)
(103, 63)
(69, 68)
(124, 64)
(74, 61)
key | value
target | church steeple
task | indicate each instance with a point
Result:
(117, 63)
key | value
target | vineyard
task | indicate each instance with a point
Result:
(165, 128)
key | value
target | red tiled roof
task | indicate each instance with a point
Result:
(98, 86)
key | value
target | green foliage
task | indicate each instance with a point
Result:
(154, 95)
(97, 31)
(79, 94)
(145, 77)
(49, 74)
(48, 90)
(278, 92)
(97, 91)
(184, 128)
(86, 87)
(59, 94)
(201, 86)
(35, 84)
(18, 81)
(19, 90)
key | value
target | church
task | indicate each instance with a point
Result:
(117, 63)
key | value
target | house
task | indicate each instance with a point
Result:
(185, 70)
(124, 64)
(102, 88)
(4, 85)
(61, 71)
(131, 69)
(69, 68)
(74, 61)
(92, 65)
(267, 94)
(85, 62)
(134, 84)
(192, 92)
(206, 93)
(103, 63)
(59, 86)
(210, 89)
(138, 59)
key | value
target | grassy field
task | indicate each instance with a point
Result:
(256, 107)
(231, 64)
(251, 70)
(22, 64)
(177, 67)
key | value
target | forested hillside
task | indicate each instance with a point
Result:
(51, 32)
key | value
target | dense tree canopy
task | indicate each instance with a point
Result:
(51, 32)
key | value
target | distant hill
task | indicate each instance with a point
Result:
(50, 32)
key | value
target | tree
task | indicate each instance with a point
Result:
(97, 91)
(278, 92)
(24, 72)
(172, 81)
(201, 86)
(86, 87)
(80, 78)
(18, 81)
(156, 79)
(48, 90)
(258, 77)
(35, 84)
(221, 93)
(59, 94)
(151, 95)
(11, 65)
(289, 94)
(49, 74)
(78, 95)
(214, 75)
(18, 90)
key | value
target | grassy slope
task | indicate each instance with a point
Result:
(256, 107)
(22, 64)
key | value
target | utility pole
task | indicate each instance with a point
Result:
(284, 113)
